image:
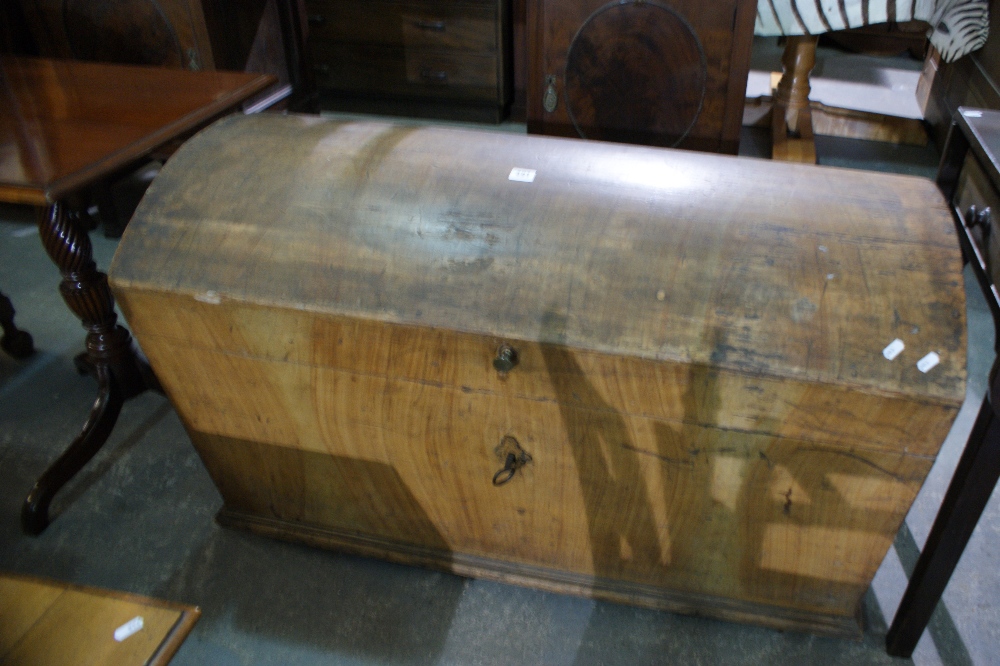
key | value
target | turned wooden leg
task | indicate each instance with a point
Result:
(791, 118)
(15, 342)
(120, 373)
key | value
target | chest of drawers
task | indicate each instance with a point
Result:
(646, 375)
(435, 57)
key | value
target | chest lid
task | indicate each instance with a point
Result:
(776, 269)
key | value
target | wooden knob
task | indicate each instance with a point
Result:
(506, 358)
(980, 218)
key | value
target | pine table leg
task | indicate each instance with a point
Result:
(792, 134)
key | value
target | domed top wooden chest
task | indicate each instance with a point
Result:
(646, 375)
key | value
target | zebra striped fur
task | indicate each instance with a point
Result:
(958, 27)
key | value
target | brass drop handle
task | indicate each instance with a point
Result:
(506, 358)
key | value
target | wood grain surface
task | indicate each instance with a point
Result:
(45, 622)
(64, 124)
(700, 387)
(764, 268)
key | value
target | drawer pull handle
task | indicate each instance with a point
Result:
(551, 98)
(434, 76)
(508, 471)
(979, 218)
(432, 26)
(317, 19)
(513, 457)
(506, 359)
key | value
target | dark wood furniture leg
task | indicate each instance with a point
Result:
(977, 473)
(979, 467)
(15, 342)
(120, 373)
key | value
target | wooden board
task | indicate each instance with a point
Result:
(45, 622)
(701, 389)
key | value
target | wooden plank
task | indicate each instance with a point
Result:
(43, 622)
(22, 603)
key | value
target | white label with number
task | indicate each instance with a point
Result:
(928, 362)
(522, 175)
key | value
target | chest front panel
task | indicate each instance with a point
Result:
(700, 414)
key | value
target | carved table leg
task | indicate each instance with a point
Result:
(791, 119)
(121, 374)
(15, 342)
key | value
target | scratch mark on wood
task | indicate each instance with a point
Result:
(862, 459)
(763, 456)
(666, 459)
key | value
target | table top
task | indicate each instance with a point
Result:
(65, 124)
(983, 125)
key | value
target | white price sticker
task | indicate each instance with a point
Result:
(522, 175)
(129, 628)
(894, 349)
(928, 362)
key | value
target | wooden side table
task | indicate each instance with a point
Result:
(969, 176)
(66, 126)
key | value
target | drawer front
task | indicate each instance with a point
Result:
(415, 72)
(464, 27)
(975, 189)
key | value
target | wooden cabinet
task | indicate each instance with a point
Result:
(425, 58)
(651, 376)
(667, 74)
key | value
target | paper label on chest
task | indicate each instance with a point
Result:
(356, 320)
